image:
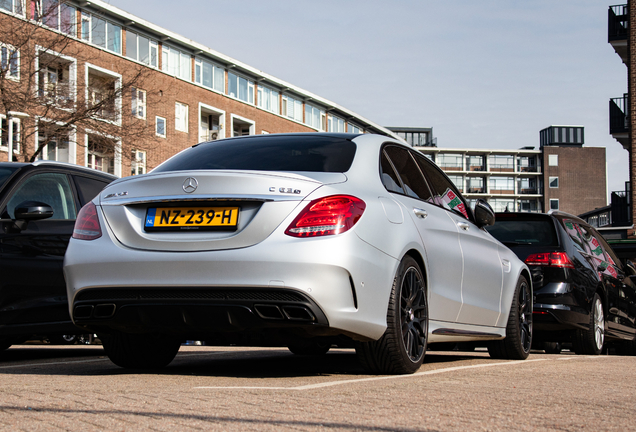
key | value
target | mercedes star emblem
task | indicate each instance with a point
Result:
(190, 185)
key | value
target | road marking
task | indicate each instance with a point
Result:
(53, 363)
(343, 382)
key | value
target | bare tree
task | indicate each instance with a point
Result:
(41, 85)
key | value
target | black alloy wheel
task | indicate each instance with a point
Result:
(140, 351)
(518, 341)
(402, 348)
(591, 340)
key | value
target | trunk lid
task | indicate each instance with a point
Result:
(263, 200)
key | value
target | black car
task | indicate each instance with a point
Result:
(583, 294)
(38, 205)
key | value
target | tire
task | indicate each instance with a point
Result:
(552, 347)
(518, 341)
(402, 347)
(132, 351)
(591, 340)
(312, 348)
(62, 339)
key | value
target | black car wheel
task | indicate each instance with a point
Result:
(402, 347)
(518, 341)
(140, 351)
(591, 340)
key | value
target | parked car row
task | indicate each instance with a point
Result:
(305, 241)
(38, 207)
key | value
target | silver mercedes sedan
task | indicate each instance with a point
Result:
(305, 241)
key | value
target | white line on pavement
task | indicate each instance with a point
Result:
(52, 363)
(335, 383)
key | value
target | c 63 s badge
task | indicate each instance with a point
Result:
(285, 190)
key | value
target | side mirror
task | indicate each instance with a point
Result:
(29, 211)
(484, 214)
(32, 210)
(631, 267)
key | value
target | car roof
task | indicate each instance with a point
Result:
(70, 166)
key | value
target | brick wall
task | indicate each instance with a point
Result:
(582, 178)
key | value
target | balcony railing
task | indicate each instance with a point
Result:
(476, 190)
(618, 23)
(528, 191)
(619, 116)
(501, 168)
(60, 94)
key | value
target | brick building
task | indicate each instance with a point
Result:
(558, 176)
(194, 93)
(622, 110)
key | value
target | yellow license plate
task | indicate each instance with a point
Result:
(183, 218)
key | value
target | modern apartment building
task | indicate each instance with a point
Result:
(194, 94)
(557, 176)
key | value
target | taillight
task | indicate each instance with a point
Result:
(327, 216)
(550, 259)
(87, 224)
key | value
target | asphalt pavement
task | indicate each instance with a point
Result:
(76, 388)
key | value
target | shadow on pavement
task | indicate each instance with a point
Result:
(253, 363)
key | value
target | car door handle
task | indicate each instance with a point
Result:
(420, 213)
(463, 225)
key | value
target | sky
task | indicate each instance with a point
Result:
(482, 74)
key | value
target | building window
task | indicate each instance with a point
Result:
(292, 108)
(100, 32)
(553, 160)
(353, 129)
(528, 206)
(554, 182)
(55, 143)
(14, 6)
(176, 63)
(268, 99)
(160, 126)
(138, 163)
(103, 94)
(526, 164)
(240, 88)
(554, 204)
(181, 117)
(475, 163)
(315, 117)
(4, 134)
(335, 124)
(102, 153)
(502, 184)
(59, 16)
(499, 163)
(209, 75)
(450, 161)
(527, 185)
(475, 185)
(458, 181)
(138, 103)
(141, 48)
(10, 61)
(502, 205)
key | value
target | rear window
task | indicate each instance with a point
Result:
(524, 232)
(267, 153)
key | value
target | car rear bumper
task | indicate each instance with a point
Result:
(321, 286)
(559, 307)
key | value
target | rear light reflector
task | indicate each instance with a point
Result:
(87, 224)
(327, 216)
(550, 259)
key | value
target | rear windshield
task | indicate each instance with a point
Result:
(264, 153)
(524, 232)
(5, 173)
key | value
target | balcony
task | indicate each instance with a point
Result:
(617, 30)
(450, 167)
(501, 168)
(60, 94)
(475, 190)
(619, 120)
(528, 191)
